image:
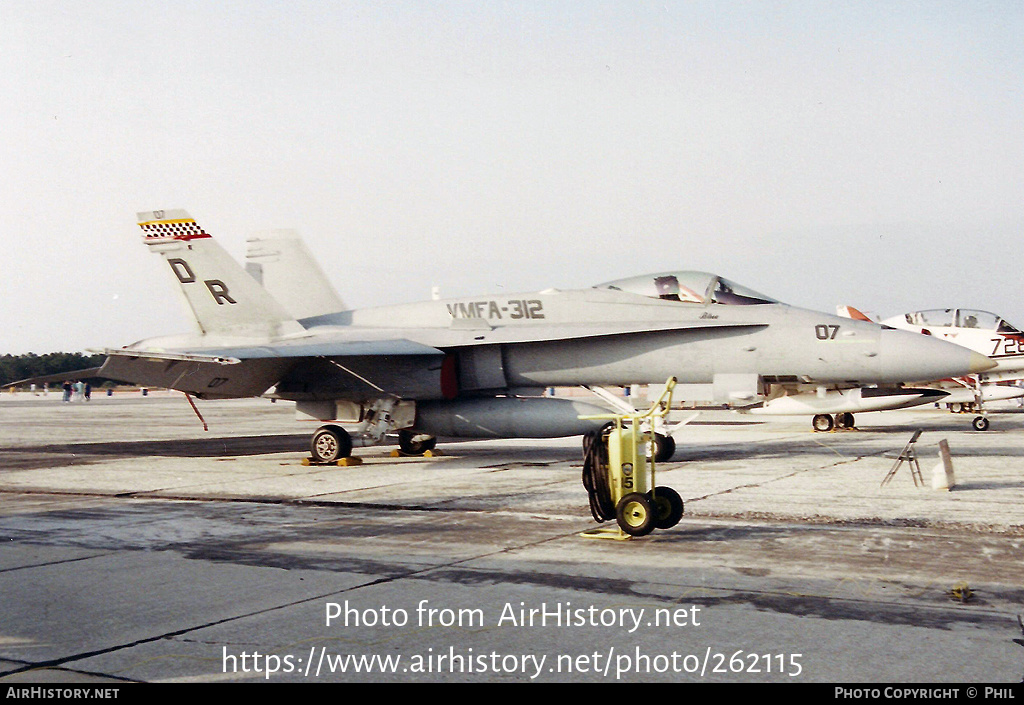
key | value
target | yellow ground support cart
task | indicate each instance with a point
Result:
(620, 477)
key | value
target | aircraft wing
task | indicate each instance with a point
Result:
(229, 372)
(366, 341)
(1007, 376)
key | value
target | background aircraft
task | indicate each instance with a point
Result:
(474, 367)
(983, 332)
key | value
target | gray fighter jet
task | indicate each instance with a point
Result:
(476, 367)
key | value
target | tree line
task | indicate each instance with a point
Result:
(18, 367)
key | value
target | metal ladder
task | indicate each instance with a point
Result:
(909, 456)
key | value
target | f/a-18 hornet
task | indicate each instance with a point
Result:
(475, 367)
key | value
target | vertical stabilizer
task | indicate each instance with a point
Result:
(223, 297)
(851, 312)
(279, 260)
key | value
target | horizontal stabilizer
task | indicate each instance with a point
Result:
(87, 373)
(204, 377)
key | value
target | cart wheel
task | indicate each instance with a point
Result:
(980, 423)
(330, 443)
(635, 514)
(822, 422)
(668, 507)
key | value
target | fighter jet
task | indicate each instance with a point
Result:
(474, 367)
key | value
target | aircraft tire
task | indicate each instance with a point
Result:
(980, 423)
(412, 443)
(635, 514)
(664, 448)
(330, 444)
(822, 422)
(844, 420)
(668, 507)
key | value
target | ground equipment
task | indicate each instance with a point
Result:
(620, 476)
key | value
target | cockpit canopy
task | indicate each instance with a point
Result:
(959, 318)
(691, 287)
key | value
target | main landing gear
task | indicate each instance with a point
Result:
(412, 443)
(824, 422)
(332, 443)
(980, 423)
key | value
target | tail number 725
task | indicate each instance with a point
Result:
(1010, 346)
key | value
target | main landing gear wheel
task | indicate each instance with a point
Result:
(844, 420)
(980, 423)
(415, 443)
(330, 444)
(635, 514)
(664, 448)
(822, 422)
(668, 507)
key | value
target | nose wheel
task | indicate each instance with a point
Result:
(825, 422)
(664, 447)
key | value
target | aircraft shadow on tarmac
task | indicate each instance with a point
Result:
(180, 448)
(968, 486)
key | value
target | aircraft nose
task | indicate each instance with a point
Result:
(921, 358)
(980, 363)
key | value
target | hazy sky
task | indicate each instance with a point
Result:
(865, 153)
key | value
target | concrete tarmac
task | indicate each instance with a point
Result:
(135, 546)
